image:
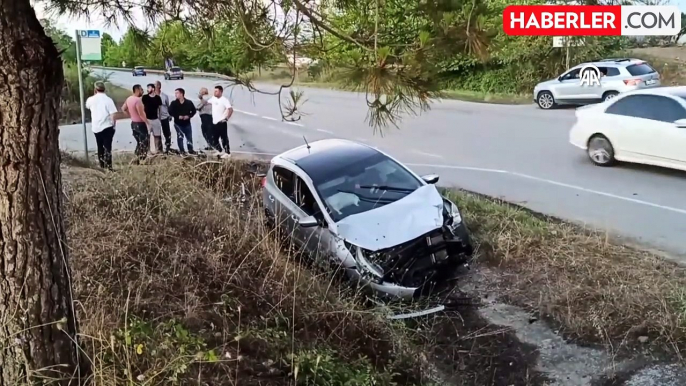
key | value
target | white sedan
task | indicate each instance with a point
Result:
(646, 127)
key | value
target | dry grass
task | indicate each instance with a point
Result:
(668, 61)
(178, 281)
(592, 289)
(331, 81)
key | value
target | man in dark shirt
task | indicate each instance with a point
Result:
(152, 104)
(183, 110)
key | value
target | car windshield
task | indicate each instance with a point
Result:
(365, 185)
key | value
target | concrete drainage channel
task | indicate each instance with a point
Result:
(565, 363)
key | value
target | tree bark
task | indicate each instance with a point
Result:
(37, 321)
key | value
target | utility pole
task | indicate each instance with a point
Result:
(81, 96)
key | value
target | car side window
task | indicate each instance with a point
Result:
(608, 71)
(285, 181)
(630, 106)
(574, 74)
(666, 109)
(306, 200)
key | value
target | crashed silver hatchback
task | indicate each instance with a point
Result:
(387, 227)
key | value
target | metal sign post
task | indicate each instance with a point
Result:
(87, 48)
(83, 108)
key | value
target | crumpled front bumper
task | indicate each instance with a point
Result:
(421, 265)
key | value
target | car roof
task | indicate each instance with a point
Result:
(327, 154)
(138, 67)
(614, 62)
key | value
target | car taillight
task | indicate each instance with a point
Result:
(264, 181)
(632, 82)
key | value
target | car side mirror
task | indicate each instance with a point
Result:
(680, 123)
(559, 78)
(430, 178)
(308, 222)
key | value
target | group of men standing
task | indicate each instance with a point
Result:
(151, 114)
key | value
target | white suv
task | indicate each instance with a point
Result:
(617, 76)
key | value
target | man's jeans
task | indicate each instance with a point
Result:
(167, 133)
(140, 133)
(184, 131)
(206, 127)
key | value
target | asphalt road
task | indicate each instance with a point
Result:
(518, 153)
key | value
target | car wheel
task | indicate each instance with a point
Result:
(545, 100)
(609, 95)
(600, 151)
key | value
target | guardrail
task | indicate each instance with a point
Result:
(187, 73)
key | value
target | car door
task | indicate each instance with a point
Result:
(668, 141)
(569, 87)
(282, 198)
(317, 240)
(609, 81)
(629, 125)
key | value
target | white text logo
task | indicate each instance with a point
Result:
(590, 75)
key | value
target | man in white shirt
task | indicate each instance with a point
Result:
(221, 112)
(103, 120)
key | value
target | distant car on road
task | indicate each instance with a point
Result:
(139, 71)
(173, 73)
(618, 75)
(367, 214)
(644, 126)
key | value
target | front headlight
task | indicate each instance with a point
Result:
(366, 267)
(455, 214)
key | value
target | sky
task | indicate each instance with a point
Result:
(70, 25)
(97, 22)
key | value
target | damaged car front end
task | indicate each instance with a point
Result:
(425, 263)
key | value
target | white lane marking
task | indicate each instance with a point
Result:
(561, 184)
(526, 176)
(284, 131)
(269, 118)
(324, 131)
(245, 112)
(426, 154)
(295, 124)
(460, 168)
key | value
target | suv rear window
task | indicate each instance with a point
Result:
(640, 69)
(175, 68)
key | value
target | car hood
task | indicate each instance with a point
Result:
(406, 219)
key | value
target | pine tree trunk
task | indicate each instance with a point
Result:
(37, 323)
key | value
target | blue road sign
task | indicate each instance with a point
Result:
(91, 33)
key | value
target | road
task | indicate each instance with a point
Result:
(518, 153)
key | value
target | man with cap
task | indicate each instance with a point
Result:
(152, 104)
(164, 117)
(205, 110)
(103, 120)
